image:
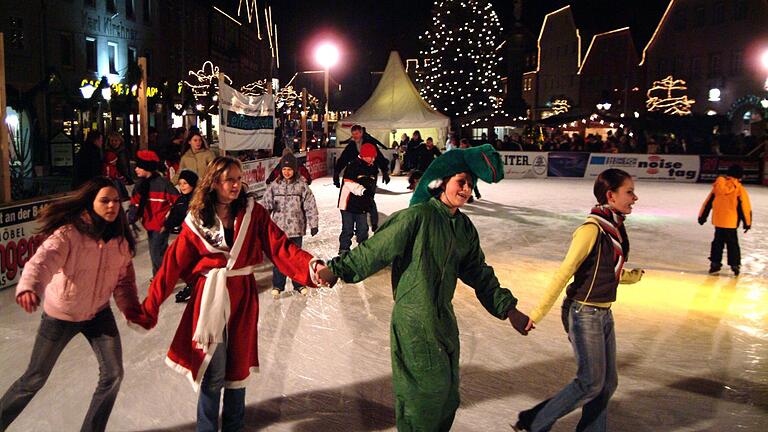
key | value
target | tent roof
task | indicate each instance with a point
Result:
(396, 104)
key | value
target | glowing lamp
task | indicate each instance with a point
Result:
(106, 93)
(714, 95)
(87, 90)
(764, 103)
(327, 55)
(764, 59)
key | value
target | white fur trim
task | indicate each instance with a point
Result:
(188, 373)
(242, 383)
(313, 273)
(434, 184)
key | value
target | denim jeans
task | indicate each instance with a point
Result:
(593, 339)
(158, 243)
(233, 414)
(53, 335)
(729, 238)
(352, 223)
(278, 279)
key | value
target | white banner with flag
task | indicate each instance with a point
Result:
(245, 122)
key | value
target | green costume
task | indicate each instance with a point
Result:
(429, 249)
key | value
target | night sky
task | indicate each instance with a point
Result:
(366, 30)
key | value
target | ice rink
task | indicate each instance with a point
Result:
(692, 348)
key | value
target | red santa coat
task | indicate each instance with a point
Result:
(193, 258)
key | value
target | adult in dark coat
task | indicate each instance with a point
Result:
(410, 151)
(88, 162)
(425, 154)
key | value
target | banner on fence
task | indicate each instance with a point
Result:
(317, 163)
(713, 166)
(524, 164)
(567, 164)
(245, 122)
(18, 239)
(255, 174)
(678, 168)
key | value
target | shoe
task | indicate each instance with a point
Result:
(518, 427)
(275, 293)
(736, 270)
(714, 269)
(184, 295)
(304, 291)
(374, 228)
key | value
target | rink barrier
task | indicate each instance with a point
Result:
(713, 166)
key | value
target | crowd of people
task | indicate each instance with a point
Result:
(225, 233)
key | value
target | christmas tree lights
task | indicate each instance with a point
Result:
(461, 77)
(665, 95)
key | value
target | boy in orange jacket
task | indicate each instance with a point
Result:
(730, 205)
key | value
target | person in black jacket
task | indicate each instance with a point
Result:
(89, 160)
(425, 154)
(410, 151)
(187, 184)
(357, 197)
(351, 152)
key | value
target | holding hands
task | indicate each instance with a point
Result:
(28, 300)
(520, 321)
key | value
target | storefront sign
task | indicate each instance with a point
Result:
(679, 168)
(18, 240)
(61, 151)
(566, 164)
(524, 164)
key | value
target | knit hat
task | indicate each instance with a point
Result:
(368, 150)
(288, 161)
(147, 160)
(481, 162)
(189, 176)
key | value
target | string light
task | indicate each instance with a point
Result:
(667, 102)
(207, 76)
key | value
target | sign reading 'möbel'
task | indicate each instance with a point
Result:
(679, 168)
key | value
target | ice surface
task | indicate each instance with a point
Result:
(691, 347)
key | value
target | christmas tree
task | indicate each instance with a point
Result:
(460, 75)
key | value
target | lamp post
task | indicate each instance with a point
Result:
(326, 55)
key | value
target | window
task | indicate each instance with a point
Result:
(715, 66)
(90, 54)
(695, 68)
(129, 12)
(718, 13)
(112, 52)
(132, 57)
(65, 50)
(111, 6)
(147, 9)
(740, 10)
(679, 21)
(737, 60)
(700, 17)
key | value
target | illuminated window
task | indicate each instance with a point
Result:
(129, 10)
(112, 52)
(90, 54)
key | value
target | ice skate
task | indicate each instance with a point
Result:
(304, 291)
(184, 295)
(736, 270)
(275, 293)
(713, 270)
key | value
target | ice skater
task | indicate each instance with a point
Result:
(595, 259)
(224, 237)
(292, 206)
(729, 203)
(187, 184)
(87, 258)
(430, 245)
(356, 198)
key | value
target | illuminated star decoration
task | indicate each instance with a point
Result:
(560, 106)
(207, 77)
(667, 103)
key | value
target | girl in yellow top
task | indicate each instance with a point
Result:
(596, 260)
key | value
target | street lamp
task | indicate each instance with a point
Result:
(604, 106)
(326, 55)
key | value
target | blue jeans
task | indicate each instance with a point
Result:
(233, 414)
(278, 279)
(158, 243)
(593, 339)
(352, 223)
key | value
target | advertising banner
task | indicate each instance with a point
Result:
(713, 166)
(567, 164)
(245, 122)
(524, 164)
(18, 240)
(678, 168)
(255, 174)
(317, 163)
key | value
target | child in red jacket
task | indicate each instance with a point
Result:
(151, 201)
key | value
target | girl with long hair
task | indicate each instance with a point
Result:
(195, 155)
(595, 260)
(86, 258)
(224, 236)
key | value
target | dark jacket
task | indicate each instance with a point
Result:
(351, 197)
(178, 212)
(153, 207)
(87, 165)
(425, 156)
(351, 152)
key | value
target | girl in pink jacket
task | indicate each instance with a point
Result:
(86, 259)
